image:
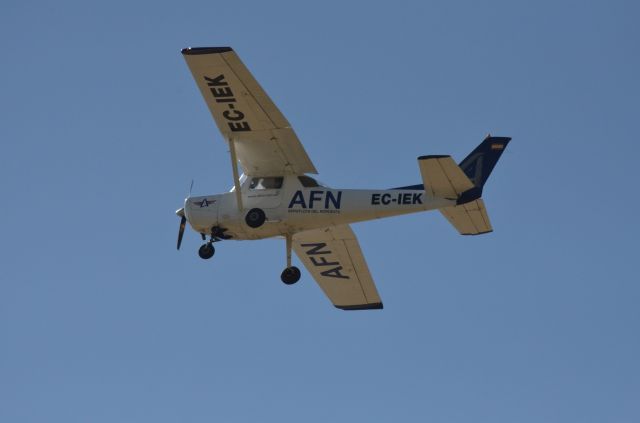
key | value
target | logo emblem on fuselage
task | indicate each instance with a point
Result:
(316, 199)
(203, 203)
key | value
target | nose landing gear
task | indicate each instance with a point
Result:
(206, 251)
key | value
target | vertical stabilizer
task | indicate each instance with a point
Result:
(479, 164)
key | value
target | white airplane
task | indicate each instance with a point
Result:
(275, 197)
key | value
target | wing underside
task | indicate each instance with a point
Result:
(334, 258)
(264, 141)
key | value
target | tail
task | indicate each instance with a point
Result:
(464, 183)
(480, 163)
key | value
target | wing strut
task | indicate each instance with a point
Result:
(236, 177)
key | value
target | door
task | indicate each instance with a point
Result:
(264, 192)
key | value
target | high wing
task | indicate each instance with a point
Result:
(334, 258)
(265, 144)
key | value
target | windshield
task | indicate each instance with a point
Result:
(243, 178)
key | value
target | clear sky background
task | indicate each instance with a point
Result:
(103, 128)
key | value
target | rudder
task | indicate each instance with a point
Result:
(481, 161)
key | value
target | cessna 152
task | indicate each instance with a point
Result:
(275, 197)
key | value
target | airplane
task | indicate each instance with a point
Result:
(276, 197)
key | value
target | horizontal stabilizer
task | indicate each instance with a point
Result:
(469, 218)
(443, 178)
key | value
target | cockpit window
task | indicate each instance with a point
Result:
(266, 183)
(308, 181)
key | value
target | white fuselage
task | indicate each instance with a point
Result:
(294, 208)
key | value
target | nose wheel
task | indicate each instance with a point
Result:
(206, 251)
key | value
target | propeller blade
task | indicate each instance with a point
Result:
(183, 223)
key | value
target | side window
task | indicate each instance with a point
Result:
(266, 183)
(308, 182)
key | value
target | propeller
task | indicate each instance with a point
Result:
(183, 223)
(183, 218)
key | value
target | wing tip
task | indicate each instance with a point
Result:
(370, 306)
(477, 233)
(190, 51)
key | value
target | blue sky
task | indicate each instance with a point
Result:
(103, 128)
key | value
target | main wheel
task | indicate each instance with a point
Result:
(206, 251)
(255, 218)
(290, 275)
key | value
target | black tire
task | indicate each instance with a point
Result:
(206, 251)
(290, 275)
(255, 218)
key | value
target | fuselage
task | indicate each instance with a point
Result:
(294, 204)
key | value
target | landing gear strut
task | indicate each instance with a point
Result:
(291, 274)
(207, 250)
